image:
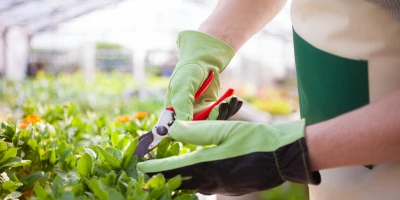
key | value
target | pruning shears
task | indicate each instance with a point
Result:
(150, 140)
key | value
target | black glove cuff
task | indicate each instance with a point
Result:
(293, 163)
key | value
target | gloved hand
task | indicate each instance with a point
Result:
(247, 157)
(199, 54)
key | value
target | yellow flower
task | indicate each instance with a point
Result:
(124, 118)
(32, 118)
(23, 126)
(140, 115)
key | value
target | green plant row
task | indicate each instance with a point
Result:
(64, 138)
(69, 159)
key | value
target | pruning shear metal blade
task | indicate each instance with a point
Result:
(143, 146)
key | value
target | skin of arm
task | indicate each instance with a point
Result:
(235, 21)
(368, 135)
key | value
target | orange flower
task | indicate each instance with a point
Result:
(32, 118)
(124, 118)
(140, 115)
(23, 126)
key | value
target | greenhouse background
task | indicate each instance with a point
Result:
(91, 63)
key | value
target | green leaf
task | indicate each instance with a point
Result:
(174, 150)
(40, 192)
(132, 164)
(14, 195)
(114, 138)
(14, 162)
(157, 182)
(11, 152)
(174, 183)
(77, 189)
(32, 144)
(57, 186)
(128, 154)
(131, 167)
(131, 148)
(115, 195)
(114, 152)
(22, 163)
(155, 193)
(65, 154)
(30, 180)
(68, 195)
(165, 196)
(53, 157)
(11, 186)
(90, 152)
(62, 146)
(10, 175)
(10, 162)
(123, 182)
(123, 143)
(139, 193)
(102, 170)
(113, 162)
(109, 179)
(10, 130)
(3, 146)
(85, 165)
(163, 146)
(4, 125)
(97, 190)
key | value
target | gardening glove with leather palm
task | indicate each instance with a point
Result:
(199, 54)
(247, 157)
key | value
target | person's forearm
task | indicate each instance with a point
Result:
(235, 21)
(368, 135)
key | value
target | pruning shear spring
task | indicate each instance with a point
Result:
(150, 140)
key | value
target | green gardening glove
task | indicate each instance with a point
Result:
(199, 54)
(247, 157)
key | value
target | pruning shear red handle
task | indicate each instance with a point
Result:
(204, 114)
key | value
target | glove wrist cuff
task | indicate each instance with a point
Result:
(198, 46)
(293, 163)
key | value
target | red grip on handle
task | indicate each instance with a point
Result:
(204, 114)
(204, 86)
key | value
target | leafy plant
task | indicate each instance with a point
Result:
(37, 162)
(69, 149)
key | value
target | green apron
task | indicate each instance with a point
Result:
(328, 85)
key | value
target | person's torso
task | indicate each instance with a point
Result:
(347, 55)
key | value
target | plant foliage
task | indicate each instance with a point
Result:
(61, 147)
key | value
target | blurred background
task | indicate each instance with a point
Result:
(115, 56)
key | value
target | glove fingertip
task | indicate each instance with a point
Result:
(223, 111)
(238, 106)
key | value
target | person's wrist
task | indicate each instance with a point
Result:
(318, 147)
(310, 136)
(217, 33)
